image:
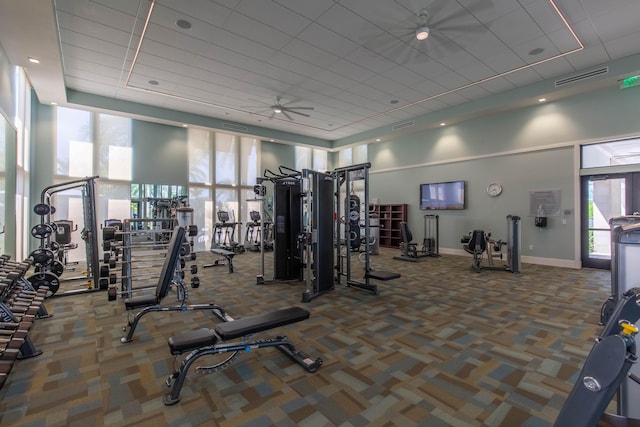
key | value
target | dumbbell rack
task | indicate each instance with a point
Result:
(142, 241)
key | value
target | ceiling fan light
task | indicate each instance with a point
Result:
(422, 33)
(277, 110)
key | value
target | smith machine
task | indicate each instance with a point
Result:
(48, 270)
(356, 229)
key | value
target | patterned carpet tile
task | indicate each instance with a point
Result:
(440, 346)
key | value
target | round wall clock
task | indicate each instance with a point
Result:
(494, 189)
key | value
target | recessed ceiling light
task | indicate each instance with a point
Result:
(184, 125)
(443, 124)
(54, 103)
(183, 23)
(536, 51)
(378, 140)
(271, 140)
(393, 101)
(153, 82)
(34, 60)
(542, 99)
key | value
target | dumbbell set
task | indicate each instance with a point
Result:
(20, 305)
(140, 260)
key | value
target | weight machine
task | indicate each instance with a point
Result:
(478, 243)
(616, 235)
(316, 239)
(353, 236)
(48, 270)
(611, 367)
(430, 243)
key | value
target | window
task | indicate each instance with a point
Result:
(314, 159)
(303, 158)
(613, 153)
(353, 155)
(199, 156)
(114, 141)
(226, 159)
(74, 143)
(236, 160)
(249, 161)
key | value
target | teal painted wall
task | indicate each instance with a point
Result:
(160, 154)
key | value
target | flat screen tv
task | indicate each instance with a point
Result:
(442, 195)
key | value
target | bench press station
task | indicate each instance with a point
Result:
(205, 341)
(169, 274)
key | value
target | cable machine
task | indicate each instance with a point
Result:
(316, 239)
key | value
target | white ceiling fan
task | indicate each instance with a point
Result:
(286, 109)
(435, 30)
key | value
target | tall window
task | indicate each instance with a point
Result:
(114, 142)
(74, 143)
(89, 144)
(308, 158)
(199, 156)
(234, 161)
(226, 159)
(353, 155)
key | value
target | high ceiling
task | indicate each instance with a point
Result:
(357, 63)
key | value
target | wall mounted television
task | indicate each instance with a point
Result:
(442, 195)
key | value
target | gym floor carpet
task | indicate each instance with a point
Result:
(441, 346)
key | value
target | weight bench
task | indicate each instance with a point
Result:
(205, 341)
(227, 259)
(169, 274)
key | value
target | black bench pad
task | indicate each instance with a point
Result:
(223, 252)
(193, 339)
(140, 301)
(382, 275)
(262, 322)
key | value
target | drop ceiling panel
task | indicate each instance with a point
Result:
(515, 28)
(274, 15)
(356, 55)
(328, 40)
(311, 9)
(619, 47)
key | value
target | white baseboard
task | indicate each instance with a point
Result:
(564, 263)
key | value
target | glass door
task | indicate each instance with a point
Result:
(603, 197)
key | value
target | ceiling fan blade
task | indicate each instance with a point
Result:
(288, 110)
(297, 108)
(287, 115)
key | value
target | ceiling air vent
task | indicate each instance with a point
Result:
(403, 125)
(583, 76)
(234, 127)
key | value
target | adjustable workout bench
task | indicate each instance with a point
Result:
(169, 274)
(204, 342)
(227, 259)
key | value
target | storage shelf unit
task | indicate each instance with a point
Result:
(390, 218)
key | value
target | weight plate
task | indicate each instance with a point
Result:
(41, 257)
(57, 268)
(41, 209)
(41, 231)
(54, 246)
(45, 279)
